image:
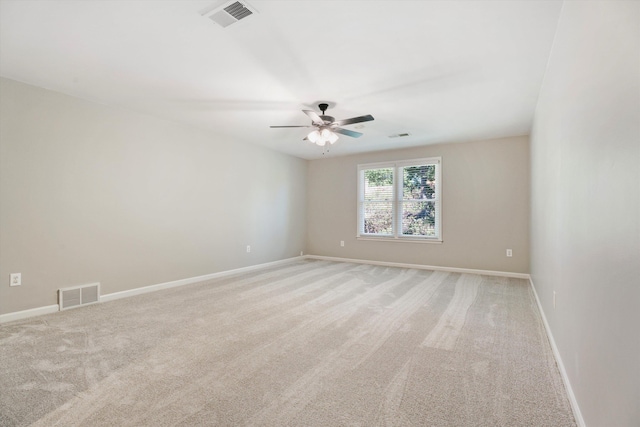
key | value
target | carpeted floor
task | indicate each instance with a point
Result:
(311, 343)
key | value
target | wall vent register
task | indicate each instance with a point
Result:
(78, 296)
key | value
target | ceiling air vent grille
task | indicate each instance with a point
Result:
(238, 11)
(230, 13)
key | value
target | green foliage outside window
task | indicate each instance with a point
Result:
(379, 177)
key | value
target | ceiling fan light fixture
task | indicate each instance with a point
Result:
(322, 136)
(328, 136)
(332, 137)
(314, 136)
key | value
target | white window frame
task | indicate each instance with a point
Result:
(397, 167)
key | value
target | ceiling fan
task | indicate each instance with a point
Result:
(326, 127)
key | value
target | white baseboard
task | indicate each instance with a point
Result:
(182, 282)
(24, 314)
(19, 315)
(423, 267)
(577, 414)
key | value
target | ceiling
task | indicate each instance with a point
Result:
(442, 71)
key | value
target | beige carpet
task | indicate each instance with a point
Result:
(311, 343)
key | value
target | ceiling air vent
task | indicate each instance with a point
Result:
(230, 13)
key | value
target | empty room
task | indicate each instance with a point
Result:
(319, 213)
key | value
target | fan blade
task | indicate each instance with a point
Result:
(315, 118)
(308, 126)
(347, 132)
(353, 120)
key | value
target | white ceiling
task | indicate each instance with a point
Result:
(443, 71)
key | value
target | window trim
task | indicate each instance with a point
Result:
(397, 235)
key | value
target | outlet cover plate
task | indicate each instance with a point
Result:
(16, 279)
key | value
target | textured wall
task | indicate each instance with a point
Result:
(485, 207)
(585, 234)
(91, 193)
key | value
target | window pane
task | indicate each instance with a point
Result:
(419, 182)
(378, 217)
(419, 219)
(378, 184)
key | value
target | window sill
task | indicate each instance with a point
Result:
(401, 239)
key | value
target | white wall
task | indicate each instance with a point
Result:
(90, 193)
(485, 207)
(585, 231)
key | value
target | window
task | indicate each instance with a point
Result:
(400, 200)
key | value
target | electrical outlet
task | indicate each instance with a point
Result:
(509, 253)
(16, 279)
(248, 248)
(342, 243)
